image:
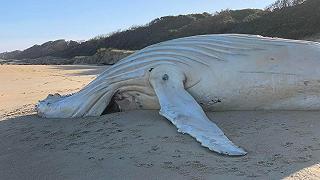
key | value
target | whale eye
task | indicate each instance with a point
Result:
(165, 77)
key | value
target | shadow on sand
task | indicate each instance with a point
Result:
(143, 145)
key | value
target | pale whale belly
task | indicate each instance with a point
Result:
(262, 92)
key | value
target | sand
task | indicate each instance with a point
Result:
(141, 144)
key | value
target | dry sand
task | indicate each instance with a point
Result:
(140, 144)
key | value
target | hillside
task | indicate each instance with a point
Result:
(295, 22)
(9, 55)
(282, 19)
(50, 48)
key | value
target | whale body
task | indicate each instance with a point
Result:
(185, 77)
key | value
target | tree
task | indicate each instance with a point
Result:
(280, 4)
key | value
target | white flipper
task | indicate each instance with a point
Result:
(178, 106)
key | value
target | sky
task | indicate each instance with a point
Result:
(24, 23)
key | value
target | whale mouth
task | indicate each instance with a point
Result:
(112, 107)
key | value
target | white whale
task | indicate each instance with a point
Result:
(210, 72)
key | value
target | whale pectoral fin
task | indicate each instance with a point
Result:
(179, 107)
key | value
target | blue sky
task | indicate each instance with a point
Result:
(24, 23)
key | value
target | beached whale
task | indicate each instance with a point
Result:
(211, 72)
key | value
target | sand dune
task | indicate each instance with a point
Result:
(140, 144)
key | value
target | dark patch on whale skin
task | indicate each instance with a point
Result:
(215, 101)
(165, 77)
(112, 107)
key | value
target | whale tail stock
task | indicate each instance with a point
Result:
(179, 107)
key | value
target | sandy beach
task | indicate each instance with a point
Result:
(140, 144)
